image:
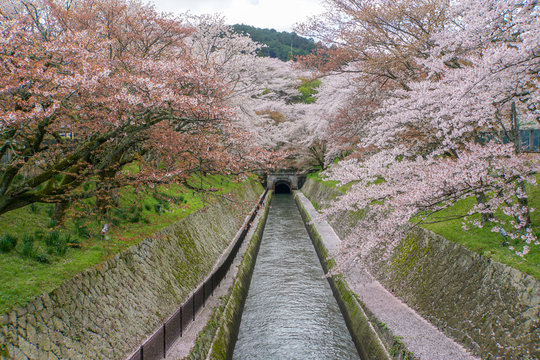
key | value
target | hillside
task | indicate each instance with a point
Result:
(278, 44)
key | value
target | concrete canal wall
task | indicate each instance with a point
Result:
(487, 306)
(107, 311)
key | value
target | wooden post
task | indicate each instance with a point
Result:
(515, 128)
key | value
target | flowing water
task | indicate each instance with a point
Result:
(290, 312)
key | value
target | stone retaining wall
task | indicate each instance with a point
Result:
(231, 316)
(107, 311)
(366, 338)
(489, 307)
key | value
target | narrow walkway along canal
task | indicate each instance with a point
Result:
(290, 312)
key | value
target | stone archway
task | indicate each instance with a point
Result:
(282, 187)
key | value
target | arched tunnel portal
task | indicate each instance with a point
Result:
(284, 182)
(282, 187)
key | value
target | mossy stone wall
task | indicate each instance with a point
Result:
(489, 307)
(231, 316)
(107, 311)
(364, 335)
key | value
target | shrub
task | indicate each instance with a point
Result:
(135, 218)
(164, 204)
(8, 243)
(56, 243)
(52, 223)
(43, 258)
(307, 90)
(34, 208)
(39, 234)
(81, 230)
(62, 245)
(28, 245)
(52, 238)
(73, 242)
(120, 214)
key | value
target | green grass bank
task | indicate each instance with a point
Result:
(107, 310)
(47, 253)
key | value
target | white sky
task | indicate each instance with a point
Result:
(273, 14)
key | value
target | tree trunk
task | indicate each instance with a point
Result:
(60, 211)
(481, 198)
(524, 202)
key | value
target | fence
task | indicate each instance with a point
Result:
(529, 140)
(156, 347)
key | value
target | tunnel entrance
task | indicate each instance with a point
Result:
(282, 187)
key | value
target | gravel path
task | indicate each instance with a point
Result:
(419, 336)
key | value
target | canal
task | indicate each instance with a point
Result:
(290, 311)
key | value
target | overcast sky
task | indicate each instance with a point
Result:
(274, 14)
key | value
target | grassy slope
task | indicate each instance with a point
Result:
(481, 241)
(487, 243)
(23, 278)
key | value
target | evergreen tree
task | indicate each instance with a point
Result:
(282, 45)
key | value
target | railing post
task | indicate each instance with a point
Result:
(164, 340)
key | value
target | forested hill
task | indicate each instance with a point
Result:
(279, 44)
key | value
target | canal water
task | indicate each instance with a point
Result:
(290, 312)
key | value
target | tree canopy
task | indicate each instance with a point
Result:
(87, 87)
(279, 44)
(433, 79)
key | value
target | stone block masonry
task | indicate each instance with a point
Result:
(107, 311)
(365, 336)
(489, 307)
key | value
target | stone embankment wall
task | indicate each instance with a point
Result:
(366, 338)
(489, 307)
(107, 311)
(229, 319)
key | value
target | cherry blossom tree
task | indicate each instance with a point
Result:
(90, 86)
(233, 56)
(217, 44)
(431, 136)
(284, 121)
(383, 39)
(267, 107)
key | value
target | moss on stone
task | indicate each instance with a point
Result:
(130, 295)
(206, 336)
(405, 257)
(218, 338)
(366, 339)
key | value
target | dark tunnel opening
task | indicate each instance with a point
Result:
(282, 188)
